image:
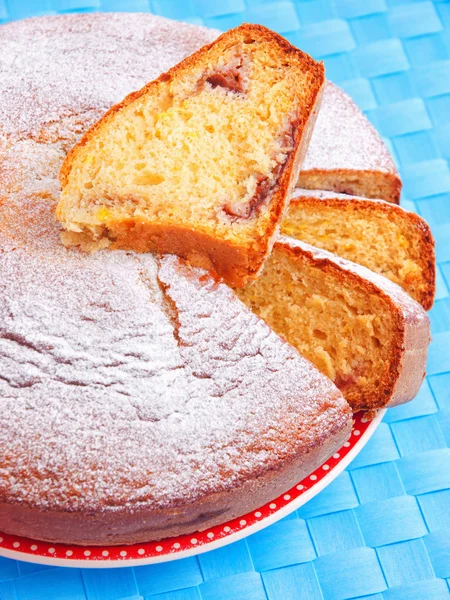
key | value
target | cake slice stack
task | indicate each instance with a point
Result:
(384, 237)
(360, 329)
(201, 163)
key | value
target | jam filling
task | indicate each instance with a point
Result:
(265, 184)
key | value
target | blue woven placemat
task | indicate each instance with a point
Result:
(381, 531)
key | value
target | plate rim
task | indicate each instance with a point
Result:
(235, 536)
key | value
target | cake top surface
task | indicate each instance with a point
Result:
(126, 381)
(78, 66)
(343, 138)
(131, 381)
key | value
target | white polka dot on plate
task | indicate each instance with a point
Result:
(176, 545)
(300, 486)
(51, 550)
(337, 455)
(226, 529)
(194, 541)
(69, 552)
(105, 553)
(347, 444)
(325, 467)
(141, 551)
(158, 548)
(257, 514)
(16, 544)
(273, 505)
(33, 547)
(210, 535)
(87, 552)
(287, 497)
(356, 432)
(313, 477)
(124, 552)
(242, 522)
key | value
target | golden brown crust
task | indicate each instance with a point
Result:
(409, 221)
(347, 154)
(411, 335)
(289, 173)
(220, 257)
(124, 527)
(365, 183)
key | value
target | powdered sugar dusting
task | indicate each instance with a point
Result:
(126, 381)
(73, 68)
(106, 403)
(327, 195)
(343, 138)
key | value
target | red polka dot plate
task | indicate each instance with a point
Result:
(188, 545)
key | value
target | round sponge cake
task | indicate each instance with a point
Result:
(140, 399)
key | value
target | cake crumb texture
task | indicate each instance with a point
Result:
(201, 161)
(360, 329)
(381, 236)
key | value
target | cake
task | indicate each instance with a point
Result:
(80, 88)
(382, 236)
(360, 329)
(347, 154)
(140, 398)
(201, 161)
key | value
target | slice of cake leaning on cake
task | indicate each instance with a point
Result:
(140, 398)
(359, 328)
(380, 235)
(201, 161)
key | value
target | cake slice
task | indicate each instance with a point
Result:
(347, 154)
(379, 235)
(360, 329)
(201, 161)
